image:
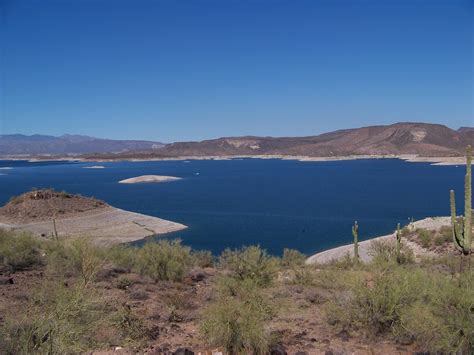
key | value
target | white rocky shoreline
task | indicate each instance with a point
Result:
(338, 253)
(105, 226)
(411, 158)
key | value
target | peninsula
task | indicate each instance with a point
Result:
(47, 213)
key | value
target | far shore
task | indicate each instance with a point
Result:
(338, 253)
(411, 158)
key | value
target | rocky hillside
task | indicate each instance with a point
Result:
(400, 138)
(46, 204)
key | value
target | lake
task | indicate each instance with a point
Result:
(309, 206)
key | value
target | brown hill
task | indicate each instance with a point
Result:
(40, 205)
(401, 138)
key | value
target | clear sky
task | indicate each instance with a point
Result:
(171, 70)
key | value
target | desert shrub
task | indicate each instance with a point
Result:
(123, 283)
(444, 236)
(376, 308)
(19, 251)
(442, 321)
(250, 262)
(203, 258)
(384, 252)
(425, 237)
(131, 327)
(292, 258)
(344, 263)
(236, 318)
(78, 257)
(303, 275)
(429, 307)
(121, 255)
(164, 260)
(59, 320)
(406, 231)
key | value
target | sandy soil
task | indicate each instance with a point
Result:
(432, 223)
(148, 178)
(106, 226)
(300, 325)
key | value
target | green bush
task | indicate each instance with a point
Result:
(203, 258)
(78, 257)
(131, 327)
(425, 237)
(59, 320)
(19, 251)
(429, 307)
(444, 236)
(250, 263)
(384, 252)
(292, 258)
(442, 320)
(123, 283)
(164, 260)
(236, 318)
(406, 231)
(344, 263)
(121, 255)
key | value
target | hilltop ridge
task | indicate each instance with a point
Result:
(423, 139)
(428, 140)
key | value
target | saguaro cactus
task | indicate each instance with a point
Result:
(398, 236)
(355, 234)
(462, 233)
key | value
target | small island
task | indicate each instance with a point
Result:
(94, 167)
(149, 178)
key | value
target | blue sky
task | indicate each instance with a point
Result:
(189, 70)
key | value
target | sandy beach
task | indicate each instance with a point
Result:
(431, 223)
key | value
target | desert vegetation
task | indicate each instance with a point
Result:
(71, 296)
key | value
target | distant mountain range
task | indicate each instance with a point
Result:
(401, 138)
(18, 144)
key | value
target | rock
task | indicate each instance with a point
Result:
(197, 275)
(6, 280)
(183, 351)
(278, 349)
(154, 332)
(315, 297)
(344, 335)
(301, 353)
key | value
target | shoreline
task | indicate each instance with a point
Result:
(107, 226)
(337, 253)
(409, 158)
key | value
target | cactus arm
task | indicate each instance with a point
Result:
(455, 225)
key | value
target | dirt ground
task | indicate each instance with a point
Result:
(170, 312)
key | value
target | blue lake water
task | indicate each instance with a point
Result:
(278, 204)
